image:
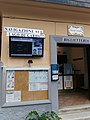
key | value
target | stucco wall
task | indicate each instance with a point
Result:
(19, 113)
(51, 25)
(48, 27)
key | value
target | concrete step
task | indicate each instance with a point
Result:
(76, 116)
(77, 112)
(75, 108)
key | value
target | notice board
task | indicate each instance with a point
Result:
(25, 85)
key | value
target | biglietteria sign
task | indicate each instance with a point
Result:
(24, 32)
(70, 39)
(76, 40)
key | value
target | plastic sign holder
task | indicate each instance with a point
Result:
(54, 72)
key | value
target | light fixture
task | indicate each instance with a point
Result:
(29, 62)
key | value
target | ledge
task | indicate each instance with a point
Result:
(26, 103)
(27, 68)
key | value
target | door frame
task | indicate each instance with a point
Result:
(66, 40)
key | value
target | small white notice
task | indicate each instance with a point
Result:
(60, 83)
(10, 96)
(13, 96)
(17, 96)
(54, 77)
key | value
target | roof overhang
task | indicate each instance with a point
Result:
(76, 3)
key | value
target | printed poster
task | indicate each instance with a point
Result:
(60, 83)
(38, 86)
(10, 80)
(68, 82)
(38, 80)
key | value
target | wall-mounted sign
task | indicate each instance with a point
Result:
(75, 40)
(24, 32)
(54, 72)
(75, 30)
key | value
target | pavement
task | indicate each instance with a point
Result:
(77, 112)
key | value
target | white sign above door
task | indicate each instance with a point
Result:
(75, 30)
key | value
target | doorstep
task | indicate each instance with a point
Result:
(76, 112)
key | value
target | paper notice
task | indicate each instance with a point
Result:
(10, 80)
(13, 96)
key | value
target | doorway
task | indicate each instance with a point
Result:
(70, 41)
(73, 75)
